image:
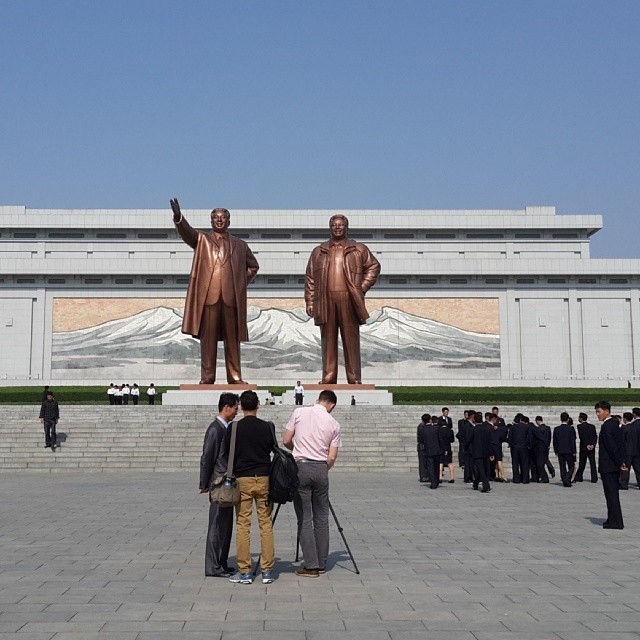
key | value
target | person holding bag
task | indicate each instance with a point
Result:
(213, 465)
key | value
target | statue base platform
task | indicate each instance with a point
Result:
(208, 394)
(219, 387)
(364, 394)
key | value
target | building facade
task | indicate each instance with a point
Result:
(478, 297)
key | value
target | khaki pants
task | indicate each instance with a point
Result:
(254, 488)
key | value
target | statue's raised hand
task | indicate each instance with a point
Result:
(175, 207)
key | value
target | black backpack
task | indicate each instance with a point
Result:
(283, 477)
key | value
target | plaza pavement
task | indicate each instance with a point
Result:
(120, 556)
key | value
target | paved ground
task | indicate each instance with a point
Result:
(110, 555)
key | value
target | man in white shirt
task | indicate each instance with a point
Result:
(314, 437)
(299, 393)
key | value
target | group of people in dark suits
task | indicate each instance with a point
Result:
(481, 439)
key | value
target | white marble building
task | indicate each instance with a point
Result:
(496, 297)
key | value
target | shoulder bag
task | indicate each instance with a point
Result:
(225, 491)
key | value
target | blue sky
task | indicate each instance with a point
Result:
(328, 104)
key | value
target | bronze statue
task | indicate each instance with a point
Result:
(216, 304)
(339, 273)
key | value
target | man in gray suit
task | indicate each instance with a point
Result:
(213, 464)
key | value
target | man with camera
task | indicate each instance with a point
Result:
(314, 437)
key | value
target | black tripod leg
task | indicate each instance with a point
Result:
(333, 513)
(257, 564)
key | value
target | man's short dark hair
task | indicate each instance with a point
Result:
(628, 416)
(478, 417)
(49, 393)
(517, 417)
(426, 417)
(328, 396)
(495, 409)
(227, 399)
(540, 418)
(487, 414)
(564, 416)
(603, 404)
(492, 417)
(636, 412)
(583, 416)
(249, 400)
(445, 409)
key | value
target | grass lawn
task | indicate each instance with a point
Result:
(454, 396)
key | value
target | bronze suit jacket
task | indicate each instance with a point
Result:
(244, 267)
(361, 271)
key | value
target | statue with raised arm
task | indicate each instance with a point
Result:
(216, 304)
(339, 273)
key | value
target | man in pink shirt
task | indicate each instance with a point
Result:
(314, 437)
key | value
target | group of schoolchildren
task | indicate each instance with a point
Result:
(120, 394)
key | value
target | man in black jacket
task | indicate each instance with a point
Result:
(422, 462)
(588, 440)
(432, 452)
(463, 435)
(255, 439)
(630, 447)
(611, 461)
(213, 464)
(519, 440)
(447, 438)
(633, 455)
(462, 425)
(540, 443)
(479, 446)
(564, 446)
(49, 416)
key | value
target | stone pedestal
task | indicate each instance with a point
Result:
(208, 394)
(364, 394)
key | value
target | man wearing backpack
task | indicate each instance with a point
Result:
(314, 437)
(255, 439)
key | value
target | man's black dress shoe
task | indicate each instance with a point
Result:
(606, 525)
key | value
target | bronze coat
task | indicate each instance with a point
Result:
(244, 267)
(361, 271)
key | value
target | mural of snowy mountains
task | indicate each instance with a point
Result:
(278, 338)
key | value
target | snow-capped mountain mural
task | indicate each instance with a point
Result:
(284, 345)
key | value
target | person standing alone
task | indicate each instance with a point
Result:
(611, 461)
(49, 416)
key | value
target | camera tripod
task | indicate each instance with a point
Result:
(340, 530)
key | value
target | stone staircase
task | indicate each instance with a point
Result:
(169, 438)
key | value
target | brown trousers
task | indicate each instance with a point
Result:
(340, 317)
(219, 318)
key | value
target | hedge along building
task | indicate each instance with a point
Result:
(488, 297)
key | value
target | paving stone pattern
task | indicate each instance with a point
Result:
(110, 556)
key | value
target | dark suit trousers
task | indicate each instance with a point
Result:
(219, 318)
(582, 463)
(218, 539)
(433, 470)
(422, 464)
(468, 467)
(481, 473)
(610, 485)
(538, 471)
(566, 462)
(625, 476)
(520, 463)
(50, 437)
